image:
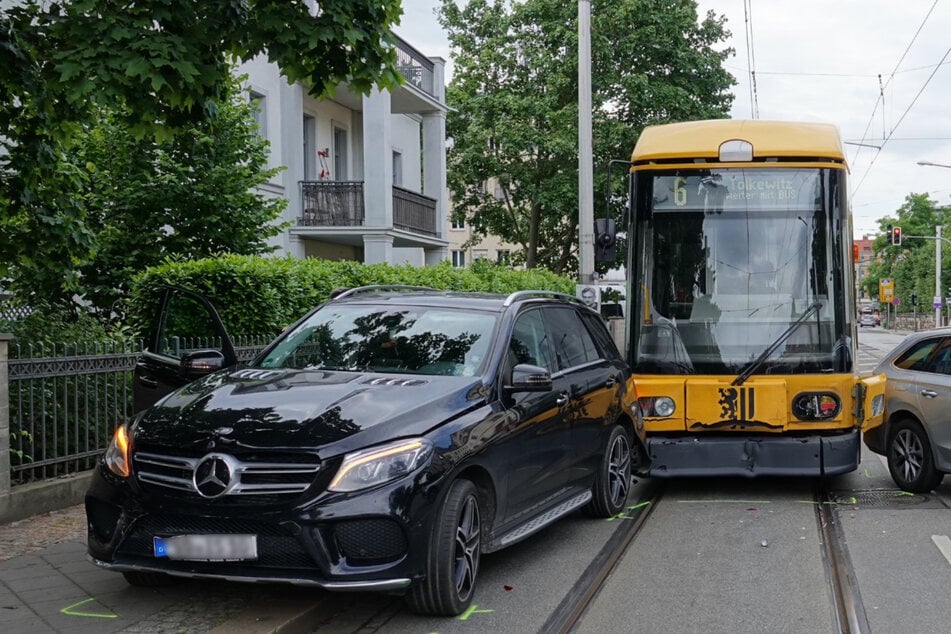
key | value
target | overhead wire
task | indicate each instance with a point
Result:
(902, 118)
(881, 97)
(751, 58)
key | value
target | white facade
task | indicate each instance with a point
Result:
(364, 176)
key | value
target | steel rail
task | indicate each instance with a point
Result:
(584, 591)
(847, 603)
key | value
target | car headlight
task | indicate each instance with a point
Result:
(377, 465)
(117, 455)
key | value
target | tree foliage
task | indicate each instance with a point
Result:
(167, 62)
(191, 196)
(911, 265)
(514, 95)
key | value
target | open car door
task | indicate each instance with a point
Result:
(187, 340)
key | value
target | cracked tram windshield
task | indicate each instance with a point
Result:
(736, 257)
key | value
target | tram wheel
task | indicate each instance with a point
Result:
(910, 460)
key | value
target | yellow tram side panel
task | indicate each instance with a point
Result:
(760, 404)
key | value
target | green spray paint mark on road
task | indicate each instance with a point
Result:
(68, 610)
(637, 506)
(473, 609)
(725, 501)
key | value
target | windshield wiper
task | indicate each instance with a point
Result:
(756, 363)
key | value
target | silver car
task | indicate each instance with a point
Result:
(916, 436)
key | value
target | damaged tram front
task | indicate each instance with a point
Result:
(741, 307)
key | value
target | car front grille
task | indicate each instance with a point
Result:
(251, 475)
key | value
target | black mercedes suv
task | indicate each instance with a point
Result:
(384, 442)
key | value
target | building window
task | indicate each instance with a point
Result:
(310, 147)
(340, 154)
(458, 223)
(259, 106)
(397, 168)
(459, 259)
(480, 254)
(503, 256)
(480, 187)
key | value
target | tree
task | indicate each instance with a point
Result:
(192, 196)
(167, 63)
(514, 105)
(912, 264)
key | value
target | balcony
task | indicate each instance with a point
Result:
(340, 204)
(414, 66)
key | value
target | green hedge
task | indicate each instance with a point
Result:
(259, 295)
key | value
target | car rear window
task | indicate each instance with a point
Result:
(915, 357)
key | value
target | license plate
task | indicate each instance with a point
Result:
(207, 547)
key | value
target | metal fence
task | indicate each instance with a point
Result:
(65, 401)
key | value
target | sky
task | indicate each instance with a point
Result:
(878, 69)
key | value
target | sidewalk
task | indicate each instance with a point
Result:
(48, 585)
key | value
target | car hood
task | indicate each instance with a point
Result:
(257, 408)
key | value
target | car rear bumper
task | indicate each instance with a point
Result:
(752, 455)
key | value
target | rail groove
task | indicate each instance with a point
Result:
(843, 588)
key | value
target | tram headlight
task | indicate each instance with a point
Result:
(657, 406)
(816, 406)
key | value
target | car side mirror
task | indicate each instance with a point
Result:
(530, 378)
(200, 362)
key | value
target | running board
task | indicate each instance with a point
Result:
(541, 521)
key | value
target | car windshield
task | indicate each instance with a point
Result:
(370, 338)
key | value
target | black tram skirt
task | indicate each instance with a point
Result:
(747, 455)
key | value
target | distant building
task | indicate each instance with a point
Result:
(866, 255)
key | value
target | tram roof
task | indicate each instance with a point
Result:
(702, 140)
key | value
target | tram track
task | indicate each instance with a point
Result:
(585, 590)
(843, 587)
(845, 598)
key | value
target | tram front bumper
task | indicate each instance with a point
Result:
(753, 455)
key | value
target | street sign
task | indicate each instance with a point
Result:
(936, 303)
(886, 289)
(896, 301)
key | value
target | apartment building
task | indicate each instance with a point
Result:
(364, 176)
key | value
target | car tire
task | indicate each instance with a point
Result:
(612, 482)
(453, 558)
(910, 460)
(141, 579)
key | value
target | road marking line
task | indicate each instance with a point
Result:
(943, 542)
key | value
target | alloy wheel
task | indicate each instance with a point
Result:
(468, 541)
(909, 454)
(619, 469)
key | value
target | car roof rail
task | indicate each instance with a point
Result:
(378, 288)
(518, 296)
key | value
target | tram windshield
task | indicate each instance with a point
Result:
(731, 258)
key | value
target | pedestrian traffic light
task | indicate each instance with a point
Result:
(896, 235)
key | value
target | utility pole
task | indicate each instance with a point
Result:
(937, 278)
(585, 151)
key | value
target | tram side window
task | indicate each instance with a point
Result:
(916, 357)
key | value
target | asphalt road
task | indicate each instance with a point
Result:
(713, 556)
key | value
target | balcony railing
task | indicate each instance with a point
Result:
(332, 203)
(414, 212)
(341, 204)
(415, 67)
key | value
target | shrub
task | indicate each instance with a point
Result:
(257, 295)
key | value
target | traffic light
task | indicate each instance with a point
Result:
(896, 235)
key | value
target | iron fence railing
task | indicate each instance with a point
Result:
(65, 401)
(332, 203)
